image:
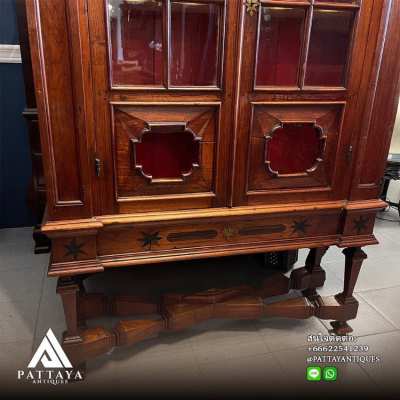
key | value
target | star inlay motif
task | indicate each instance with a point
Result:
(149, 239)
(360, 224)
(74, 249)
(301, 226)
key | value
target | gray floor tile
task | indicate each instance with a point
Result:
(50, 313)
(386, 372)
(334, 281)
(389, 245)
(14, 356)
(17, 322)
(258, 374)
(216, 331)
(281, 333)
(134, 369)
(21, 285)
(13, 258)
(211, 351)
(376, 273)
(368, 321)
(385, 301)
(16, 235)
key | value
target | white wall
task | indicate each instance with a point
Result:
(394, 189)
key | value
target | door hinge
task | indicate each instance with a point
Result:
(97, 165)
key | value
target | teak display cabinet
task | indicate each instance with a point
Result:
(175, 130)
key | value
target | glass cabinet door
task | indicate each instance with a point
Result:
(165, 43)
(163, 84)
(299, 63)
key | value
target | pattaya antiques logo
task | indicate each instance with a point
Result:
(57, 367)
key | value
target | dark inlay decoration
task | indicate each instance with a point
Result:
(193, 235)
(150, 239)
(360, 224)
(74, 249)
(294, 149)
(300, 226)
(261, 230)
(166, 152)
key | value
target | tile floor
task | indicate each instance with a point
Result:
(217, 357)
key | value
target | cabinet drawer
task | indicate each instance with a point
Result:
(167, 236)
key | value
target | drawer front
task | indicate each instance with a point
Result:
(167, 236)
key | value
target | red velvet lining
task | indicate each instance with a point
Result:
(167, 155)
(294, 148)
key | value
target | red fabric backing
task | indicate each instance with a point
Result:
(167, 155)
(294, 148)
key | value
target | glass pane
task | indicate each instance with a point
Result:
(329, 47)
(195, 36)
(294, 148)
(136, 42)
(279, 47)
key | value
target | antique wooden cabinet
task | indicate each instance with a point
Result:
(175, 130)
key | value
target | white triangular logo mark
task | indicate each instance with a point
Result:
(50, 353)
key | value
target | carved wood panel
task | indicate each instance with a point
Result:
(307, 152)
(165, 149)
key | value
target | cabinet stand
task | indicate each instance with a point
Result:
(176, 312)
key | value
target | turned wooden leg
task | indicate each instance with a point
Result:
(354, 259)
(68, 289)
(313, 266)
(312, 275)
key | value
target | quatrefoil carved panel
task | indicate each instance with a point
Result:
(166, 152)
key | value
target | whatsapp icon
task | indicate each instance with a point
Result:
(329, 374)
